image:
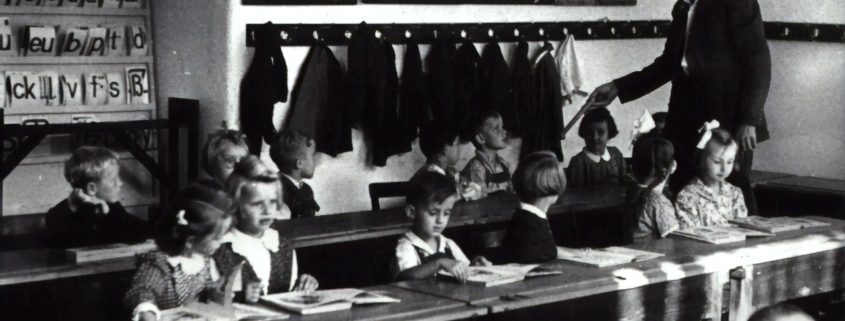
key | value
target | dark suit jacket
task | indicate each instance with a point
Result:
(729, 70)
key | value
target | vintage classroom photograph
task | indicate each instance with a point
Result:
(258, 160)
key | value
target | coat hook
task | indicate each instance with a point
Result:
(377, 34)
(785, 31)
(347, 34)
(815, 33)
(634, 29)
(541, 32)
(463, 34)
(284, 35)
(590, 31)
(655, 30)
(613, 31)
(490, 33)
(516, 32)
(565, 31)
(316, 35)
(408, 34)
(252, 35)
(434, 33)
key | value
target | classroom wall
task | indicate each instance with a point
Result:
(205, 57)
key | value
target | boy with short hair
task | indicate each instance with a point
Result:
(92, 215)
(441, 147)
(487, 168)
(293, 153)
(423, 251)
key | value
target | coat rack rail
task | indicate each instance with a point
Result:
(338, 34)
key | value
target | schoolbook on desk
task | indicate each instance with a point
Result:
(602, 257)
(108, 251)
(718, 234)
(494, 275)
(216, 312)
(776, 224)
(325, 300)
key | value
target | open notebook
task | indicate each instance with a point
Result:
(602, 257)
(494, 275)
(325, 300)
(776, 224)
(215, 312)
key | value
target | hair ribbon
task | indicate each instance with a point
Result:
(180, 218)
(707, 130)
(642, 126)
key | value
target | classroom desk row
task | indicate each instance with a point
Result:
(23, 266)
(686, 284)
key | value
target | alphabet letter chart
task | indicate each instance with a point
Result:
(64, 58)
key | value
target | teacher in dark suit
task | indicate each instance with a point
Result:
(718, 61)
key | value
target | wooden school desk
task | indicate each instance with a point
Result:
(23, 266)
(685, 284)
(802, 195)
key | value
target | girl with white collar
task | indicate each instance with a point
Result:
(181, 270)
(269, 260)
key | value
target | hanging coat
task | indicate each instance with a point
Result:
(548, 115)
(467, 81)
(414, 102)
(441, 84)
(371, 91)
(496, 85)
(264, 84)
(318, 108)
(521, 89)
(381, 119)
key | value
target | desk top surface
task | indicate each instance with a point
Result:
(810, 184)
(683, 258)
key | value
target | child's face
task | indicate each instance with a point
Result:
(452, 152)
(209, 244)
(431, 219)
(108, 187)
(259, 205)
(493, 135)
(224, 163)
(596, 137)
(718, 162)
(307, 164)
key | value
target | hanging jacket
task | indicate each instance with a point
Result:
(521, 90)
(414, 102)
(385, 131)
(496, 85)
(440, 80)
(467, 81)
(318, 108)
(548, 115)
(264, 84)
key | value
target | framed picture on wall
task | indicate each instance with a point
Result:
(295, 2)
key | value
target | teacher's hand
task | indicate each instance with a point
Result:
(604, 95)
(746, 137)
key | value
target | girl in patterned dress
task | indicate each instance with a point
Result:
(709, 199)
(181, 270)
(269, 260)
(652, 163)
